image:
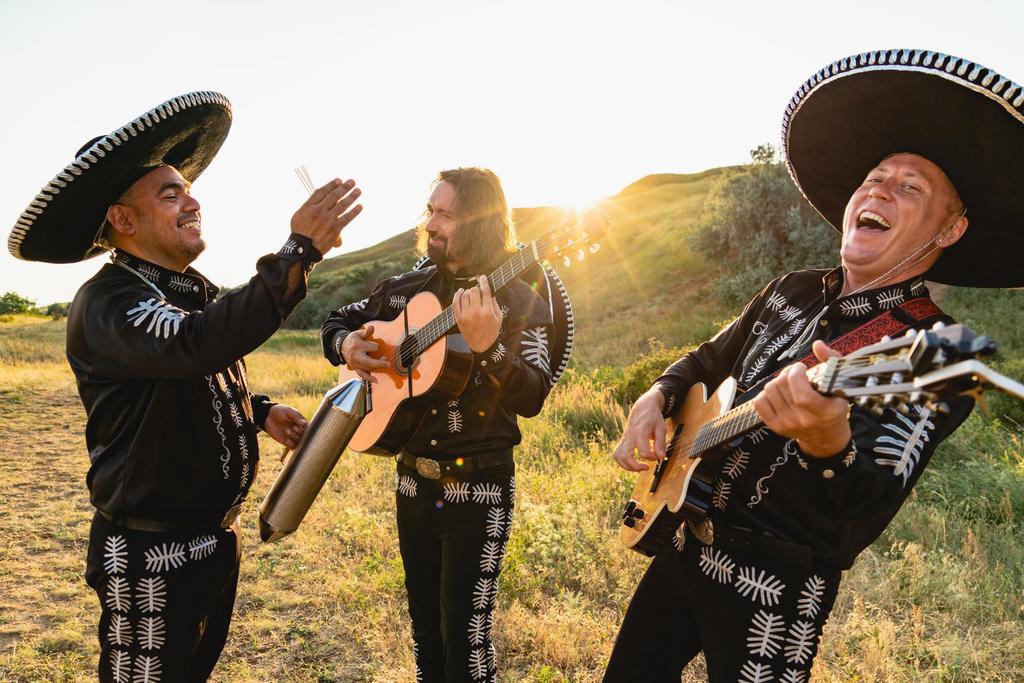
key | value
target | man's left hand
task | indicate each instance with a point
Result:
(285, 425)
(478, 315)
(790, 406)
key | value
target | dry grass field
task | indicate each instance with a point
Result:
(940, 597)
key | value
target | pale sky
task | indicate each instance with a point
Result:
(566, 101)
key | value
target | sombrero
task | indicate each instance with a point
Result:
(962, 116)
(61, 224)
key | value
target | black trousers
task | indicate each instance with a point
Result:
(452, 533)
(166, 601)
(755, 620)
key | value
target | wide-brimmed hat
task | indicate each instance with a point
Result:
(962, 116)
(62, 223)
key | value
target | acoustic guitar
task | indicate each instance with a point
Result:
(922, 368)
(425, 363)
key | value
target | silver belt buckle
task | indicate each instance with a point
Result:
(430, 469)
(231, 516)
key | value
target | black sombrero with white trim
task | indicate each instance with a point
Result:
(962, 116)
(61, 224)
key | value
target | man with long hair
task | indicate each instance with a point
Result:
(455, 484)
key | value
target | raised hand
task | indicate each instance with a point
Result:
(478, 315)
(356, 350)
(327, 211)
(644, 435)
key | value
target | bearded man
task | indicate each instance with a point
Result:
(455, 480)
(899, 150)
(171, 423)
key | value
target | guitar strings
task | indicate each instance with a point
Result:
(307, 181)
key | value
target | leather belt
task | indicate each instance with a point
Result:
(428, 468)
(186, 523)
(762, 545)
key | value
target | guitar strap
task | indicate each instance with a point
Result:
(891, 323)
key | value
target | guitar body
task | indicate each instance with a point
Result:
(400, 397)
(680, 486)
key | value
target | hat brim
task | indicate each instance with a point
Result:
(965, 118)
(61, 223)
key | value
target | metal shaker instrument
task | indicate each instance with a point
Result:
(311, 462)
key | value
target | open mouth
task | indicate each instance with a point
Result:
(191, 225)
(869, 220)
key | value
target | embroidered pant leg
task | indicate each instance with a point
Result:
(469, 519)
(166, 601)
(759, 619)
(658, 636)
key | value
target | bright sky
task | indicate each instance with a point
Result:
(566, 101)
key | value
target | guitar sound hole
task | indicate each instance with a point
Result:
(406, 358)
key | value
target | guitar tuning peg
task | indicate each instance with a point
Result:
(938, 325)
(595, 247)
(580, 254)
(902, 408)
(877, 409)
(885, 339)
(910, 333)
(917, 397)
(566, 261)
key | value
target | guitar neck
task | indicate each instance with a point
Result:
(444, 322)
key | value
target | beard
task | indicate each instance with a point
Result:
(443, 254)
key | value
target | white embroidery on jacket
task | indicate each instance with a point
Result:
(767, 631)
(905, 443)
(535, 348)
(164, 319)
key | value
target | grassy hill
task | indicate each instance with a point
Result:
(645, 266)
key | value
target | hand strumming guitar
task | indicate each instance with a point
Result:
(478, 315)
(644, 435)
(356, 350)
(789, 406)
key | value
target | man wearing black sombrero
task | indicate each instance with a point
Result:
(916, 157)
(172, 425)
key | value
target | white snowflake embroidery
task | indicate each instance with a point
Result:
(535, 348)
(116, 554)
(478, 666)
(498, 353)
(716, 564)
(759, 587)
(851, 456)
(755, 672)
(165, 556)
(151, 594)
(855, 306)
(181, 284)
(793, 676)
(679, 537)
(148, 272)
(758, 435)
(479, 629)
(487, 493)
(147, 670)
(736, 463)
(290, 247)
(797, 325)
(788, 449)
(490, 556)
(454, 421)
(164, 319)
(151, 633)
(236, 414)
(512, 491)
(906, 444)
(779, 342)
(800, 642)
(482, 593)
(720, 496)
(120, 632)
(456, 492)
(776, 301)
(917, 287)
(118, 594)
(407, 486)
(201, 547)
(397, 301)
(810, 597)
(766, 634)
(120, 666)
(218, 421)
(889, 299)
(755, 369)
(495, 522)
(670, 406)
(789, 313)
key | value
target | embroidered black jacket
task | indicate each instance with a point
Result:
(171, 426)
(511, 378)
(837, 505)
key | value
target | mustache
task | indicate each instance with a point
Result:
(188, 217)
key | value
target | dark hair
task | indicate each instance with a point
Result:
(485, 228)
